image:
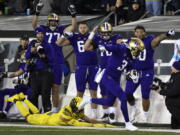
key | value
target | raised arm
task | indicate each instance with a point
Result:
(88, 44)
(39, 6)
(156, 41)
(73, 13)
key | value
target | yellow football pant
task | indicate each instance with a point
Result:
(23, 110)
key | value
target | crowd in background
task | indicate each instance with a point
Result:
(126, 10)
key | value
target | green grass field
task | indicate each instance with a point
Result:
(62, 131)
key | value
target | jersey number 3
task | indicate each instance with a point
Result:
(124, 64)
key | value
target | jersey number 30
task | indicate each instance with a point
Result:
(142, 56)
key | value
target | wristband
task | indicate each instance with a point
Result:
(91, 35)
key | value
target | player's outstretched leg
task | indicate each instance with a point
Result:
(32, 107)
(16, 99)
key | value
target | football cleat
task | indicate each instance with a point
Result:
(105, 117)
(112, 118)
(21, 96)
(13, 98)
(129, 126)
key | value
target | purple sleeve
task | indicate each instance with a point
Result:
(62, 28)
(150, 39)
(115, 47)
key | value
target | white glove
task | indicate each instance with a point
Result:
(39, 6)
(133, 75)
(171, 32)
(68, 34)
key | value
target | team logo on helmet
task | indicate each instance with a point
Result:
(136, 46)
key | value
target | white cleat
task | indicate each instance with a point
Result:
(85, 101)
(129, 126)
(112, 118)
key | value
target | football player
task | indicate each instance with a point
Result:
(123, 56)
(86, 62)
(69, 115)
(52, 31)
(104, 37)
(145, 66)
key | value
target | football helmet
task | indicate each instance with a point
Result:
(105, 31)
(136, 46)
(53, 20)
(53, 17)
(74, 104)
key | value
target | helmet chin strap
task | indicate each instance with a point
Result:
(52, 28)
(106, 37)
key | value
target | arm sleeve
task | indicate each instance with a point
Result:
(115, 47)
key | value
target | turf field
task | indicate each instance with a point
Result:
(39, 130)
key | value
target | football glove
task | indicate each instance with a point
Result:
(132, 75)
(170, 33)
(39, 6)
(68, 34)
(72, 10)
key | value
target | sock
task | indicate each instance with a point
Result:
(133, 107)
(146, 114)
(23, 110)
(112, 109)
(106, 111)
(55, 109)
(32, 107)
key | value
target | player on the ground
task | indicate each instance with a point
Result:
(145, 66)
(52, 31)
(104, 37)
(69, 115)
(86, 62)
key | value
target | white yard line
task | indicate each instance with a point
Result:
(70, 127)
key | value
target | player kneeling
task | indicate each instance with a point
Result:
(67, 116)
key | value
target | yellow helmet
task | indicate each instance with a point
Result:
(136, 45)
(75, 102)
(53, 17)
(105, 30)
